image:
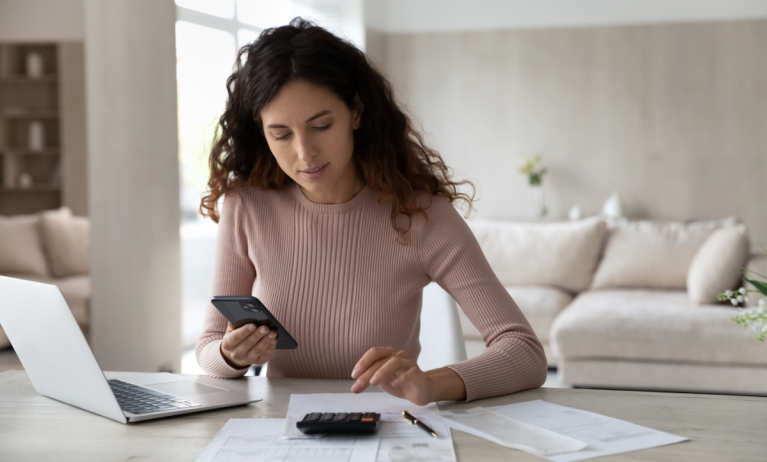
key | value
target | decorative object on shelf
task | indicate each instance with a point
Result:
(531, 166)
(34, 65)
(613, 207)
(25, 180)
(36, 141)
(754, 317)
(575, 213)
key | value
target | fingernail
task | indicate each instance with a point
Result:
(374, 380)
(264, 330)
(355, 387)
(272, 335)
(395, 383)
(251, 327)
(355, 372)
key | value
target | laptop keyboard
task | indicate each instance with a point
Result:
(141, 400)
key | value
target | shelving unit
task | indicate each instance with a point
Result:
(30, 173)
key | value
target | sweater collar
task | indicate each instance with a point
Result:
(365, 194)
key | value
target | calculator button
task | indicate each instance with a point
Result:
(369, 415)
(367, 419)
(313, 416)
(328, 416)
(355, 416)
(341, 416)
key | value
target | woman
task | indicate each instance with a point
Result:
(336, 216)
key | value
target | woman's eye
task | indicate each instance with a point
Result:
(323, 128)
(278, 138)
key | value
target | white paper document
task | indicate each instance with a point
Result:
(260, 440)
(510, 432)
(417, 449)
(604, 435)
(390, 408)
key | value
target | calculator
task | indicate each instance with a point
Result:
(339, 422)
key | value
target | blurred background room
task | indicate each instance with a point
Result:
(619, 149)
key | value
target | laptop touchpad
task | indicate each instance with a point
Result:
(185, 388)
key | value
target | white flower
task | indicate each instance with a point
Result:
(734, 302)
(742, 291)
(728, 293)
(740, 299)
(763, 303)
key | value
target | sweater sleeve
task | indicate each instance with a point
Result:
(450, 254)
(233, 274)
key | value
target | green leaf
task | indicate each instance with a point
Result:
(760, 286)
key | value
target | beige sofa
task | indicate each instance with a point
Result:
(49, 247)
(632, 304)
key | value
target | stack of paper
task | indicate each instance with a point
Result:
(278, 440)
(509, 432)
(557, 433)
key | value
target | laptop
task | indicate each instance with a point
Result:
(61, 365)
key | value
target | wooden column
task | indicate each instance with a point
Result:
(133, 184)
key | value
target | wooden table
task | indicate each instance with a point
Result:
(35, 428)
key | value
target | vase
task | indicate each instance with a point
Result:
(540, 201)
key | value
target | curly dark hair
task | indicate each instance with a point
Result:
(389, 154)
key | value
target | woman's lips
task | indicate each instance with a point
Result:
(313, 174)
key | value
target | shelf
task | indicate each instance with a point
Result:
(50, 78)
(18, 151)
(35, 114)
(42, 188)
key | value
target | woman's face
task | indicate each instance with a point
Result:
(310, 133)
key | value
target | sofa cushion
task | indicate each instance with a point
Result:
(717, 264)
(75, 289)
(65, 240)
(650, 254)
(645, 325)
(21, 250)
(540, 305)
(561, 255)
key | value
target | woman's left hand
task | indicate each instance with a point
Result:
(399, 375)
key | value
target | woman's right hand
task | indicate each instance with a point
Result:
(248, 345)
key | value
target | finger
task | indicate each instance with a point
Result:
(266, 355)
(240, 350)
(252, 339)
(237, 336)
(369, 358)
(407, 376)
(386, 372)
(260, 347)
(364, 381)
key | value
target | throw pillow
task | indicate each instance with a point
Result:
(716, 266)
(561, 255)
(66, 242)
(651, 254)
(20, 249)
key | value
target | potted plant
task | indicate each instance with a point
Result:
(754, 317)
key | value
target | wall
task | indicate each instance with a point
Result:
(670, 116)
(41, 20)
(417, 16)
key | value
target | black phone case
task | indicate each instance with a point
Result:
(241, 310)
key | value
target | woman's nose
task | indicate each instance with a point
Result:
(304, 149)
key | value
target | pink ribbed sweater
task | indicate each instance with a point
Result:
(338, 281)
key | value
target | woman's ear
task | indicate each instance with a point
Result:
(357, 112)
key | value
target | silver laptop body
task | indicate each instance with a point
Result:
(61, 365)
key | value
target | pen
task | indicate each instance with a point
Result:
(409, 417)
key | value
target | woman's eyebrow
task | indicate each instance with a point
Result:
(319, 114)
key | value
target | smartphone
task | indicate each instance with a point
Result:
(241, 310)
